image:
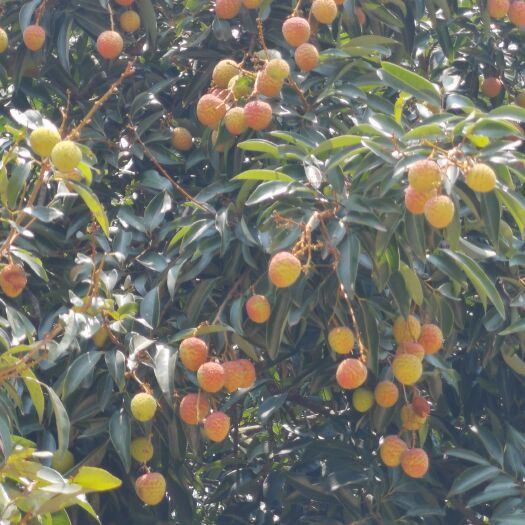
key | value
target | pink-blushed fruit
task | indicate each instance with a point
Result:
(235, 122)
(124, 3)
(194, 408)
(193, 352)
(517, 13)
(341, 339)
(424, 175)
(351, 373)
(227, 9)
(414, 462)
(258, 309)
(129, 21)
(151, 488)
(210, 377)
(324, 11)
(284, 269)
(410, 347)
(217, 426)
(498, 8)
(211, 110)
(481, 178)
(277, 69)
(258, 114)
(405, 330)
(306, 57)
(223, 72)
(34, 37)
(269, 87)
(415, 200)
(491, 87)
(407, 368)
(248, 373)
(386, 394)
(391, 450)
(431, 338)
(181, 139)
(296, 30)
(421, 406)
(109, 44)
(410, 420)
(252, 4)
(234, 375)
(143, 406)
(439, 211)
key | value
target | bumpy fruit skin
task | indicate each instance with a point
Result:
(421, 406)
(406, 330)
(217, 426)
(431, 338)
(439, 211)
(13, 280)
(341, 340)
(193, 353)
(34, 37)
(407, 368)
(193, 408)
(517, 13)
(227, 9)
(101, 336)
(151, 488)
(410, 420)
(62, 462)
(141, 449)
(362, 400)
(181, 139)
(491, 87)
(306, 57)
(233, 375)
(498, 8)
(284, 269)
(481, 178)
(414, 462)
(391, 450)
(296, 31)
(210, 377)
(235, 122)
(210, 110)
(278, 69)
(412, 348)
(43, 140)
(258, 309)
(248, 375)
(415, 200)
(66, 156)
(268, 86)
(129, 21)
(223, 72)
(143, 406)
(386, 394)
(258, 114)
(109, 44)
(124, 3)
(351, 374)
(4, 40)
(252, 4)
(424, 176)
(324, 11)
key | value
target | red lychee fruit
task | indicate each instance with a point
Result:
(324, 11)
(258, 114)
(491, 87)
(217, 426)
(351, 373)
(235, 122)
(306, 57)
(258, 308)
(181, 139)
(193, 353)
(151, 488)
(193, 408)
(13, 280)
(109, 44)
(296, 31)
(414, 462)
(284, 269)
(210, 377)
(248, 373)
(34, 37)
(227, 9)
(210, 110)
(234, 375)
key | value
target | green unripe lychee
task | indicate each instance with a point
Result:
(62, 462)
(66, 156)
(141, 449)
(43, 140)
(143, 406)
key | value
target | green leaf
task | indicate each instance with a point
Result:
(81, 367)
(260, 146)
(62, 420)
(150, 307)
(277, 323)
(94, 205)
(367, 322)
(412, 283)
(271, 405)
(342, 141)
(35, 391)
(263, 175)
(472, 477)
(120, 435)
(96, 479)
(348, 263)
(467, 455)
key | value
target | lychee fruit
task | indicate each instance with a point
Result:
(235, 122)
(129, 21)
(143, 406)
(439, 211)
(193, 352)
(13, 280)
(66, 156)
(517, 13)
(520, 99)
(407, 368)
(306, 57)
(386, 394)
(181, 139)
(210, 110)
(267, 86)
(101, 336)
(151, 488)
(217, 426)
(296, 31)
(193, 408)
(124, 3)
(481, 178)
(405, 330)
(391, 450)
(424, 176)
(62, 462)
(234, 374)
(498, 8)
(252, 4)
(258, 114)
(210, 377)
(284, 269)
(227, 9)
(4, 40)
(410, 347)
(431, 338)
(421, 406)
(109, 44)
(277, 69)
(324, 11)
(248, 375)
(491, 87)
(141, 449)
(43, 140)
(415, 200)
(223, 72)
(341, 339)
(414, 462)
(258, 309)
(351, 373)
(34, 37)
(410, 420)
(362, 400)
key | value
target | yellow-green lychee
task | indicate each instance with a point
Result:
(66, 156)
(141, 449)
(143, 406)
(362, 399)
(62, 462)
(43, 140)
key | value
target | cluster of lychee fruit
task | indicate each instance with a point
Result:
(515, 10)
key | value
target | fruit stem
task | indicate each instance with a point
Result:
(299, 91)
(261, 37)
(40, 12)
(296, 8)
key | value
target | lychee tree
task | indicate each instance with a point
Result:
(262, 262)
